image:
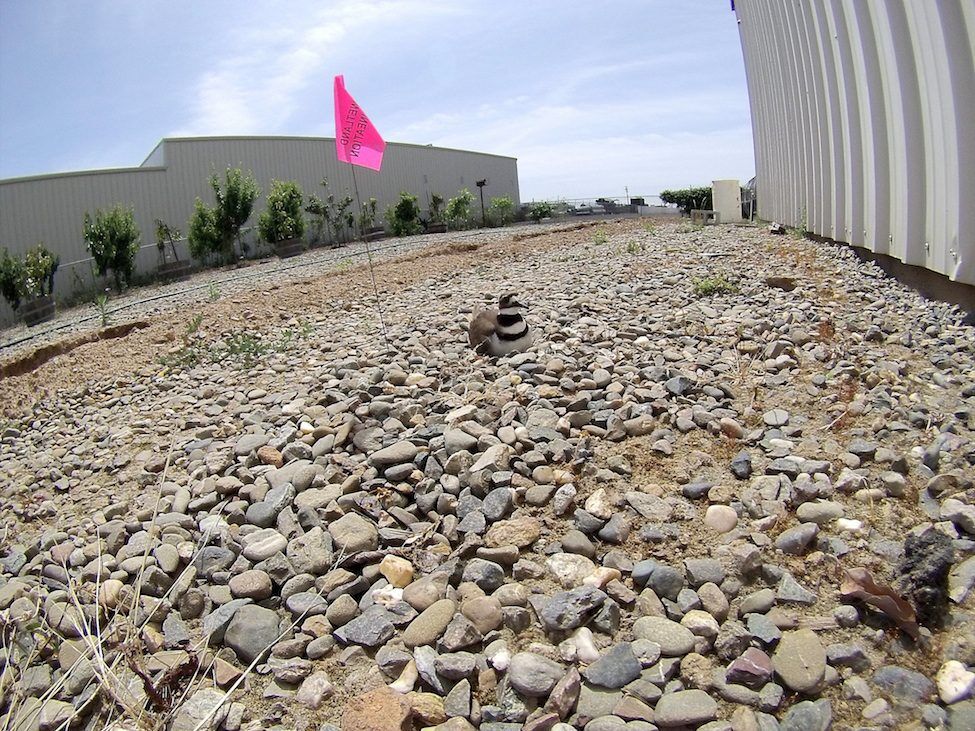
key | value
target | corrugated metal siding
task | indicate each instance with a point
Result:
(51, 208)
(863, 114)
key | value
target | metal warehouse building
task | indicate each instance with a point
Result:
(864, 123)
(51, 208)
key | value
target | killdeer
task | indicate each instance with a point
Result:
(500, 331)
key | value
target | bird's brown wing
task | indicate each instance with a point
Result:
(482, 325)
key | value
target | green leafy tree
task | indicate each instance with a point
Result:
(282, 220)
(458, 210)
(405, 216)
(40, 265)
(204, 237)
(502, 208)
(540, 210)
(688, 199)
(235, 203)
(113, 241)
(11, 278)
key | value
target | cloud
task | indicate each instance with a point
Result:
(591, 148)
(257, 90)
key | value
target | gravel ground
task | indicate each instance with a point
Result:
(152, 300)
(730, 487)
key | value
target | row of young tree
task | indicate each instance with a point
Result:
(215, 232)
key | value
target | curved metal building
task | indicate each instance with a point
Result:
(51, 208)
(863, 114)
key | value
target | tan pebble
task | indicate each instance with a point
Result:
(397, 570)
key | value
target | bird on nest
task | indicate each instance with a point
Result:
(501, 331)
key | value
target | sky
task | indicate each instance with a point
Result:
(594, 99)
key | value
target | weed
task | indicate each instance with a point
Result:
(634, 247)
(688, 228)
(101, 301)
(305, 329)
(599, 238)
(213, 291)
(343, 265)
(717, 284)
(192, 326)
(650, 228)
(801, 231)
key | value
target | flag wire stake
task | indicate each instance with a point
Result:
(372, 273)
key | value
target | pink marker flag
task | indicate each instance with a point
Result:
(357, 140)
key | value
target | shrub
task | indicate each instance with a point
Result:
(235, 202)
(40, 264)
(204, 235)
(436, 208)
(282, 220)
(214, 230)
(458, 210)
(404, 217)
(367, 216)
(717, 284)
(333, 216)
(501, 209)
(688, 199)
(113, 240)
(540, 210)
(164, 233)
(11, 279)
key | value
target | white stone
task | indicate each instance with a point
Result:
(955, 683)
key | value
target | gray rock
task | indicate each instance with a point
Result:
(904, 687)
(800, 660)
(614, 668)
(398, 453)
(673, 639)
(808, 716)
(666, 581)
(685, 708)
(252, 631)
(795, 541)
(570, 609)
(533, 675)
(370, 629)
(352, 533)
(205, 709)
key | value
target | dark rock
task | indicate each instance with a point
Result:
(614, 668)
(570, 609)
(928, 558)
(905, 687)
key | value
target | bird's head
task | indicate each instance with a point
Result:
(508, 304)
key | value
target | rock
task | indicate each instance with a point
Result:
(428, 708)
(425, 591)
(314, 690)
(205, 709)
(398, 453)
(263, 544)
(685, 708)
(370, 629)
(808, 716)
(310, 554)
(928, 558)
(486, 574)
(820, 512)
(520, 532)
(570, 609)
(800, 660)
(795, 541)
(484, 613)
(673, 639)
(398, 571)
(615, 668)
(961, 580)
(955, 683)
(570, 569)
(533, 675)
(905, 687)
(753, 669)
(429, 624)
(252, 584)
(353, 533)
(563, 697)
(378, 710)
(721, 518)
(252, 631)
